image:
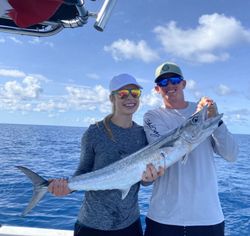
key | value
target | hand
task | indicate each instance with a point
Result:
(212, 107)
(59, 187)
(151, 173)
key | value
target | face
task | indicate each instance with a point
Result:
(171, 91)
(125, 105)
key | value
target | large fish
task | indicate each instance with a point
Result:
(122, 174)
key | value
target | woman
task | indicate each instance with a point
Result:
(103, 212)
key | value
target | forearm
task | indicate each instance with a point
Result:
(225, 144)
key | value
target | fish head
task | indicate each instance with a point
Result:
(198, 127)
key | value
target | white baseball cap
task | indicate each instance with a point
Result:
(122, 80)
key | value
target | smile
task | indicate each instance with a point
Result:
(171, 91)
(130, 105)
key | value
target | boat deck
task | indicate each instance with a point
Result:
(28, 231)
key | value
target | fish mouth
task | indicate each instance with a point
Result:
(209, 122)
(213, 121)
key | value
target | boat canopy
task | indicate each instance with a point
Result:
(48, 17)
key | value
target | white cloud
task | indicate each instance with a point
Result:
(50, 44)
(14, 105)
(25, 96)
(247, 95)
(93, 76)
(39, 41)
(15, 40)
(20, 95)
(12, 73)
(206, 42)
(88, 98)
(28, 89)
(48, 106)
(90, 120)
(35, 40)
(41, 77)
(33, 87)
(223, 90)
(2, 40)
(191, 84)
(145, 81)
(152, 100)
(193, 89)
(240, 116)
(126, 49)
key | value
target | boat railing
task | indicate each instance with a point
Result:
(71, 14)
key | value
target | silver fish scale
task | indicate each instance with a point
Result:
(166, 151)
(122, 174)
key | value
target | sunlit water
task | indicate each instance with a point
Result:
(54, 152)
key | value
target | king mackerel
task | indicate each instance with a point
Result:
(170, 148)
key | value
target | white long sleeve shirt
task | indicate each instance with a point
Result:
(187, 194)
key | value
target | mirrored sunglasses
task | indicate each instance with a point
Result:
(165, 81)
(124, 93)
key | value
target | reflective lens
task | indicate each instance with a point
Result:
(165, 81)
(124, 93)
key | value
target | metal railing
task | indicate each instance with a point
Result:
(48, 28)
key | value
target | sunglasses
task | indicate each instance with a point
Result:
(124, 93)
(165, 81)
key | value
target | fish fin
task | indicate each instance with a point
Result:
(166, 145)
(184, 159)
(125, 192)
(163, 154)
(40, 188)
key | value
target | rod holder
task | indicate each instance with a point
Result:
(104, 14)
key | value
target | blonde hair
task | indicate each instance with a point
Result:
(106, 122)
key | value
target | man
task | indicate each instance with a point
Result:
(185, 199)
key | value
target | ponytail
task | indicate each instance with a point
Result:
(106, 122)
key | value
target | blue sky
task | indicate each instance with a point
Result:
(63, 79)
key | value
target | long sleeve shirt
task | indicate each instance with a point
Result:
(187, 194)
(105, 210)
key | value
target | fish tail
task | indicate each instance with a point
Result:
(40, 188)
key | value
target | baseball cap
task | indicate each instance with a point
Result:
(165, 68)
(121, 80)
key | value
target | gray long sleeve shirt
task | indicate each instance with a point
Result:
(106, 210)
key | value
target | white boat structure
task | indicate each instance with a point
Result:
(45, 17)
(29, 231)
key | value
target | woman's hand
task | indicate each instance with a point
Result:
(151, 173)
(59, 187)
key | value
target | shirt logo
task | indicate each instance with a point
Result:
(154, 133)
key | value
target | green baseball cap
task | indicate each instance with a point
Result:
(166, 68)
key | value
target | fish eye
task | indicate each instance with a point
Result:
(195, 120)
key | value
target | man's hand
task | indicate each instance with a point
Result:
(212, 107)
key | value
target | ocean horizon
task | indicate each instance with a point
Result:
(54, 151)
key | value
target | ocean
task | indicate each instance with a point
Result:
(54, 151)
